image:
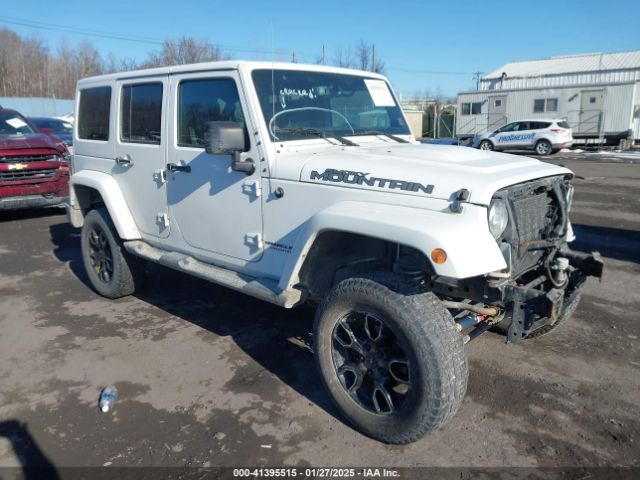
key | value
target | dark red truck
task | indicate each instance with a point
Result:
(34, 167)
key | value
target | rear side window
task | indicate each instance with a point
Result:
(93, 113)
(141, 113)
(564, 125)
(202, 101)
(539, 125)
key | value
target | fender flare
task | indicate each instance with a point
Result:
(471, 249)
(113, 198)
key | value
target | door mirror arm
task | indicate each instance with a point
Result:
(247, 166)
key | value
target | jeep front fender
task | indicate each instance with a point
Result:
(465, 236)
(112, 196)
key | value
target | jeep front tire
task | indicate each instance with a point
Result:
(390, 357)
(112, 271)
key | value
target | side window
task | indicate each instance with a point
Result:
(538, 105)
(201, 101)
(93, 113)
(466, 108)
(141, 113)
(524, 126)
(511, 127)
(476, 108)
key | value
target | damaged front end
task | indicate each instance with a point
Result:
(542, 282)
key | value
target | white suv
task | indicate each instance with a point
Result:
(545, 136)
(303, 184)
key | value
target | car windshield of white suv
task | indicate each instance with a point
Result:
(303, 104)
(12, 124)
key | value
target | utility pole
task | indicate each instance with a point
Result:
(324, 58)
(373, 58)
(477, 77)
(293, 57)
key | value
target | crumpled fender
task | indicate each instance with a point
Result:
(471, 249)
(113, 199)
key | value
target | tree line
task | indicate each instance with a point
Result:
(30, 68)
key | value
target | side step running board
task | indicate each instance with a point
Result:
(263, 289)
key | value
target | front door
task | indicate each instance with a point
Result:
(497, 111)
(591, 105)
(141, 151)
(216, 209)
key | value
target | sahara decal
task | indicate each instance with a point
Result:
(359, 178)
(516, 138)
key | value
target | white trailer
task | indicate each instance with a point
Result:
(597, 94)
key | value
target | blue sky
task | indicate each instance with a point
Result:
(425, 45)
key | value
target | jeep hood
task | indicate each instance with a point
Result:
(415, 169)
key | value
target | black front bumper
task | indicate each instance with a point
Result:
(531, 307)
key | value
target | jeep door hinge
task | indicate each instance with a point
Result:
(162, 219)
(253, 239)
(160, 176)
(252, 188)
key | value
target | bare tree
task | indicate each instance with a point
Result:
(182, 51)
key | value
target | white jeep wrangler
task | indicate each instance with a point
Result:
(297, 183)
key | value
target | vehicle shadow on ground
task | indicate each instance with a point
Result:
(27, 213)
(35, 464)
(616, 243)
(279, 340)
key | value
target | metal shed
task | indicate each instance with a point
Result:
(598, 94)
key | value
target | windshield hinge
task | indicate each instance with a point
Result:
(460, 196)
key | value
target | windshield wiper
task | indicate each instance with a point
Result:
(318, 133)
(377, 132)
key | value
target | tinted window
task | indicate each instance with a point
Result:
(476, 107)
(539, 125)
(58, 126)
(524, 126)
(202, 101)
(564, 125)
(141, 113)
(511, 127)
(93, 118)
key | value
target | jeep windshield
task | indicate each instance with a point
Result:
(301, 104)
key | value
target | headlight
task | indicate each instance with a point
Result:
(498, 218)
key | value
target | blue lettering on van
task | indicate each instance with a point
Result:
(516, 137)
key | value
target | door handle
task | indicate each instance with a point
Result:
(125, 160)
(174, 167)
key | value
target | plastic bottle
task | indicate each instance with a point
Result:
(108, 398)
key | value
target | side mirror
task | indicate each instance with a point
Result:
(224, 138)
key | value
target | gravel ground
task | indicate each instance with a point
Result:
(209, 377)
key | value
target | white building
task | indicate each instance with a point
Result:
(598, 94)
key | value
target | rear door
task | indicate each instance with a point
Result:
(141, 151)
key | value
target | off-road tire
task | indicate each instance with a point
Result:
(426, 330)
(486, 145)
(128, 271)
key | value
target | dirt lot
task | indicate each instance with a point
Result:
(209, 377)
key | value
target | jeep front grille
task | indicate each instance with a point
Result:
(532, 217)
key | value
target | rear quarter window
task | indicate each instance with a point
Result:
(564, 125)
(539, 125)
(93, 113)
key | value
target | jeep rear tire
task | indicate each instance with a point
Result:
(390, 357)
(112, 271)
